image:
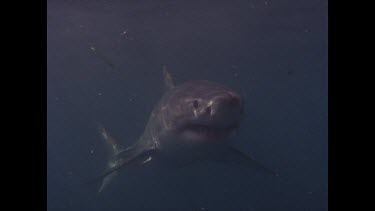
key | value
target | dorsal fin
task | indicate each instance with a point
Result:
(168, 80)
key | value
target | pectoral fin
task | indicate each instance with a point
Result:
(242, 158)
(106, 181)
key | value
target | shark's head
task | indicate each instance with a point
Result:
(200, 112)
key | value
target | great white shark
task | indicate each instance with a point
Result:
(192, 122)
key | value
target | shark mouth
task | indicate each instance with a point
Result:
(207, 132)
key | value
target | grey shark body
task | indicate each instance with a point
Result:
(194, 121)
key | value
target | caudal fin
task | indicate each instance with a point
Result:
(119, 157)
(114, 149)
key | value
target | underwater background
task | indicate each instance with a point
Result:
(104, 64)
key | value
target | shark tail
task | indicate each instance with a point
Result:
(119, 157)
(114, 149)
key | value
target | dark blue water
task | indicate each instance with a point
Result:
(104, 64)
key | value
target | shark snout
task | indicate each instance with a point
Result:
(225, 108)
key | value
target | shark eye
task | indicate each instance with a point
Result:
(195, 104)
